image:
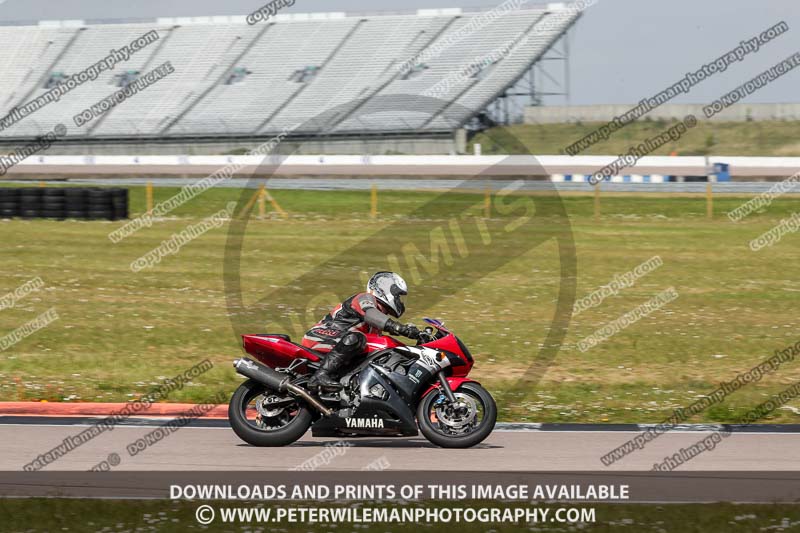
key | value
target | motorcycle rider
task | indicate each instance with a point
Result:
(341, 332)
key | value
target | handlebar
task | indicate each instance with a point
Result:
(427, 335)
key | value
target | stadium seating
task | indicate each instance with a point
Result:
(232, 78)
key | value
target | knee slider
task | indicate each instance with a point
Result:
(354, 342)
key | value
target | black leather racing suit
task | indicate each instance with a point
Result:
(341, 333)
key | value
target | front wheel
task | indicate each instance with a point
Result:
(462, 424)
(263, 417)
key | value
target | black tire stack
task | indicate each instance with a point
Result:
(9, 202)
(75, 203)
(62, 203)
(119, 204)
(30, 202)
(98, 204)
(53, 203)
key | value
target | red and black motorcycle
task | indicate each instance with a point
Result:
(390, 393)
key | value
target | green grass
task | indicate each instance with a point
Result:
(768, 138)
(161, 516)
(120, 332)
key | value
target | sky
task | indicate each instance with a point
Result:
(620, 51)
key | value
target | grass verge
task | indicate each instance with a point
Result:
(120, 333)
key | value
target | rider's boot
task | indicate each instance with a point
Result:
(325, 376)
(341, 354)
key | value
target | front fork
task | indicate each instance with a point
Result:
(445, 386)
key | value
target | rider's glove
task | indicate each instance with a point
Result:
(405, 330)
(412, 332)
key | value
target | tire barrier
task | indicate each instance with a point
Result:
(64, 203)
(9, 202)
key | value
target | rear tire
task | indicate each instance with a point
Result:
(250, 432)
(439, 434)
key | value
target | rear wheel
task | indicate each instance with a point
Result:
(263, 417)
(462, 424)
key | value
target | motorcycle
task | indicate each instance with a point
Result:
(396, 389)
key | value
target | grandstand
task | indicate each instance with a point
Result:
(233, 81)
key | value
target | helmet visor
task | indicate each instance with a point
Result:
(397, 297)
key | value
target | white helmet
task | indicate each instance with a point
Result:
(388, 288)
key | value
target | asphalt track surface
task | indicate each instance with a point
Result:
(211, 445)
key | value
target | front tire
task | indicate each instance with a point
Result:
(464, 427)
(265, 426)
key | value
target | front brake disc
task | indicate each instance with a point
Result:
(457, 422)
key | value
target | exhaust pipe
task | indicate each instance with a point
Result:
(261, 373)
(276, 381)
